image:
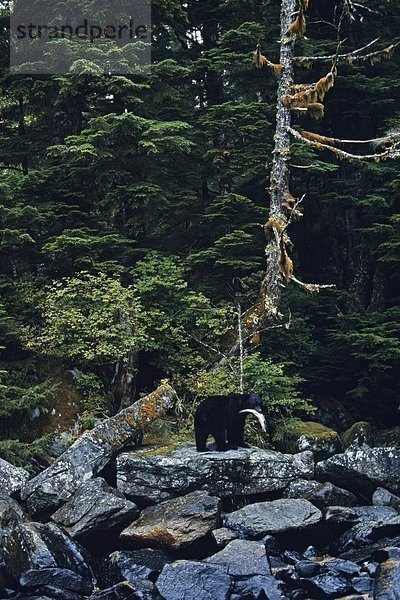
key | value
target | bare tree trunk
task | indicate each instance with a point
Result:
(271, 288)
(266, 308)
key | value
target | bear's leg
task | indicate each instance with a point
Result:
(220, 440)
(236, 433)
(201, 439)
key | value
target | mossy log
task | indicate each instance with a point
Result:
(92, 451)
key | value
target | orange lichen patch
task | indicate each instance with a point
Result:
(316, 137)
(311, 95)
(316, 110)
(262, 61)
(298, 28)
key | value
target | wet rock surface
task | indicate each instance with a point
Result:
(321, 495)
(278, 516)
(12, 479)
(94, 507)
(262, 528)
(176, 523)
(362, 471)
(189, 580)
(247, 471)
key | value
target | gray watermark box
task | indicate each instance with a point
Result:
(97, 37)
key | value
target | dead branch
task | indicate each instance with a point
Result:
(349, 57)
(389, 153)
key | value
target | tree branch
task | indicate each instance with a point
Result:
(350, 57)
(389, 153)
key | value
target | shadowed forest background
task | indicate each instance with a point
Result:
(131, 213)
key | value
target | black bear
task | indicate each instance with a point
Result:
(223, 417)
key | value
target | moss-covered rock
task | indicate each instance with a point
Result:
(359, 435)
(298, 436)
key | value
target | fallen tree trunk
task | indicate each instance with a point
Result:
(92, 451)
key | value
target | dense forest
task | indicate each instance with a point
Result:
(132, 224)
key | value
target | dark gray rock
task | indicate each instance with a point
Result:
(341, 515)
(363, 585)
(387, 582)
(50, 592)
(242, 559)
(366, 553)
(91, 452)
(382, 497)
(222, 536)
(321, 495)
(60, 578)
(291, 557)
(10, 515)
(185, 580)
(308, 568)
(130, 565)
(362, 471)
(11, 478)
(259, 587)
(345, 567)
(129, 590)
(279, 516)
(272, 546)
(175, 524)
(366, 514)
(365, 534)
(152, 478)
(94, 507)
(327, 585)
(36, 546)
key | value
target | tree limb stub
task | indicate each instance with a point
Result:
(93, 450)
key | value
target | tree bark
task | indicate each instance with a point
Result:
(266, 309)
(271, 288)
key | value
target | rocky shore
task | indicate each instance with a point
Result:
(175, 524)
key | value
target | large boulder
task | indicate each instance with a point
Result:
(387, 582)
(320, 494)
(360, 434)
(130, 565)
(382, 497)
(30, 546)
(11, 478)
(64, 579)
(299, 436)
(366, 533)
(362, 471)
(94, 507)
(278, 516)
(190, 580)
(149, 477)
(90, 453)
(242, 559)
(175, 524)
